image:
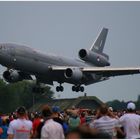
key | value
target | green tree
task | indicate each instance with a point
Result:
(116, 104)
(20, 94)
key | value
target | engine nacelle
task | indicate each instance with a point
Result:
(94, 58)
(73, 73)
(12, 76)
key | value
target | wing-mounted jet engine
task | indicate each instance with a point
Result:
(73, 74)
(13, 76)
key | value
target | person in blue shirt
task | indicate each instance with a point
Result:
(4, 128)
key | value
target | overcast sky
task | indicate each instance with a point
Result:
(66, 27)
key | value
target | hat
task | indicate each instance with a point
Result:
(131, 106)
(55, 109)
(21, 110)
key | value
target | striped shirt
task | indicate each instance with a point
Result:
(105, 124)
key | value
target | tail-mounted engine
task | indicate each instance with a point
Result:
(95, 58)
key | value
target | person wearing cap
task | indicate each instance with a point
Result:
(20, 128)
(131, 122)
(58, 117)
(56, 114)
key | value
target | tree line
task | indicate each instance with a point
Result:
(121, 105)
(20, 94)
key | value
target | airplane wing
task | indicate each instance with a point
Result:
(108, 72)
(104, 71)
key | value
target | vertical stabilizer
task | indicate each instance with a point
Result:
(99, 43)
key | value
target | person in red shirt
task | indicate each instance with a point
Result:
(36, 123)
(82, 118)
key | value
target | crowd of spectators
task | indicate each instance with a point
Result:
(53, 123)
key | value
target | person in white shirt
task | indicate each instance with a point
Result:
(20, 128)
(51, 129)
(131, 122)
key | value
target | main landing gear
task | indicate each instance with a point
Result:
(74, 88)
(60, 88)
(78, 88)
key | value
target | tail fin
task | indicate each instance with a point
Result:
(99, 43)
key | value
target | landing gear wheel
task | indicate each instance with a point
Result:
(78, 88)
(73, 88)
(82, 89)
(59, 88)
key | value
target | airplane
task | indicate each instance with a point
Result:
(93, 66)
